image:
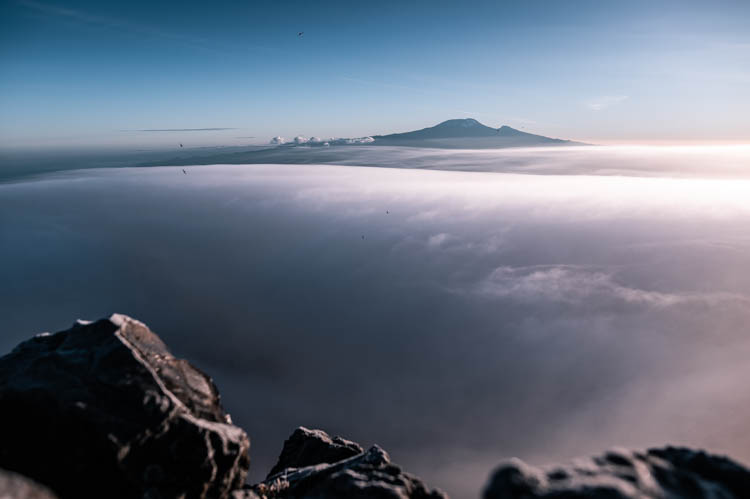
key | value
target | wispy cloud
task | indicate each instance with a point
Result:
(605, 101)
(577, 285)
(181, 130)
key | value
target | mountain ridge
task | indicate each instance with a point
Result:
(449, 133)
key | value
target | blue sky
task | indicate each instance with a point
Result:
(90, 73)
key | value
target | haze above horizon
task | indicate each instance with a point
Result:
(82, 73)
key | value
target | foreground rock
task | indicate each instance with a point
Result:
(104, 410)
(15, 486)
(307, 447)
(620, 474)
(368, 474)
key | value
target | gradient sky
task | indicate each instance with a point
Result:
(94, 73)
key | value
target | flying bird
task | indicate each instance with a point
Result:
(180, 144)
(363, 237)
(387, 212)
(183, 171)
(300, 33)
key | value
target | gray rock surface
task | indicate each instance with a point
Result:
(369, 475)
(308, 447)
(15, 486)
(104, 409)
(667, 473)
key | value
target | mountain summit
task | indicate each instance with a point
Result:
(467, 133)
(467, 127)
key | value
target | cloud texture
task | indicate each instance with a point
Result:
(483, 315)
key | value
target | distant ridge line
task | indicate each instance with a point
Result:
(465, 127)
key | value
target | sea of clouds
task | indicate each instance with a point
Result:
(453, 317)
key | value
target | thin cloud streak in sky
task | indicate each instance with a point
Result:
(604, 102)
(181, 130)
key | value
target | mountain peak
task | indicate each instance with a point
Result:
(459, 122)
(460, 127)
(466, 132)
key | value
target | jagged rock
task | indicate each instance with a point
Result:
(307, 447)
(15, 486)
(621, 474)
(369, 475)
(104, 410)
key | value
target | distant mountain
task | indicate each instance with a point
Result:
(467, 133)
(468, 127)
(452, 134)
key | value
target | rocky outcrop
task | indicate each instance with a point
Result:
(104, 410)
(15, 486)
(621, 474)
(367, 475)
(308, 447)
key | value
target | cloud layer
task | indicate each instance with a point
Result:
(576, 285)
(482, 315)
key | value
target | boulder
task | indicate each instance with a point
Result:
(307, 447)
(622, 474)
(15, 486)
(364, 475)
(104, 410)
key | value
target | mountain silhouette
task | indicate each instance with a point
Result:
(467, 133)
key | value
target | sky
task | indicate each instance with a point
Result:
(103, 74)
